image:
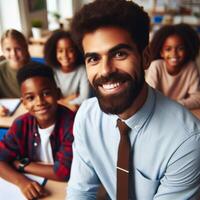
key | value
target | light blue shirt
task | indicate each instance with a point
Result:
(165, 138)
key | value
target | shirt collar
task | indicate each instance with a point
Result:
(138, 119)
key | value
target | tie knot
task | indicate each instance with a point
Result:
(123, 128)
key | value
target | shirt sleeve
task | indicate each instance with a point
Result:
(192, 99)
(9, 145)
(182, 176)
(83, 183)
(63, 159)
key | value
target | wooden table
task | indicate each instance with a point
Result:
(6, 122)
(57, 190)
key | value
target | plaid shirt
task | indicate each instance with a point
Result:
(22, 140)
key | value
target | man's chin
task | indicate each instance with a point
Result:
(114, 104)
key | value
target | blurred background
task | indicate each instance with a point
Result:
(38, 18)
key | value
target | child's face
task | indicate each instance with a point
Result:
(174, 53)
(65, 54)
(39, 96)
(14, 53)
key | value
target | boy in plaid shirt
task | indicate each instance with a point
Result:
(40, 141)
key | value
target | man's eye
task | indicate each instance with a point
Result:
(92, 60)
(120, 55)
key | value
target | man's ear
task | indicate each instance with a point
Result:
(146, 57)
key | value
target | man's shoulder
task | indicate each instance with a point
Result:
(174, 114)
(90, 105)
(89, 110)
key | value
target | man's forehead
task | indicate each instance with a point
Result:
(104, 39)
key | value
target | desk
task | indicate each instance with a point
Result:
(5, 122)
(196, 112)
(57, 190)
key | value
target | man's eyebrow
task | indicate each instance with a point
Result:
(115, 48)
(120, 46)
(87, 55)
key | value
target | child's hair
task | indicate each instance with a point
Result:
(51, 45)
(123, 14)
(19, 37)
(33, 69)
(186, 32)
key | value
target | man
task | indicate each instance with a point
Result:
(165, 138)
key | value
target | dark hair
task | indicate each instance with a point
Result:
(33, 69)
(19, 37)
(119, 13)
(184, 31)
(51, 45)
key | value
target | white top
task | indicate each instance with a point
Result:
(73, 82)
(45, 150)
(183, 87)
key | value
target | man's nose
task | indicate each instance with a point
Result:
(106, 67)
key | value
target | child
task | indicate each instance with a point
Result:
(15, 50)
(61, 53)
(173, 50)
(38, 142)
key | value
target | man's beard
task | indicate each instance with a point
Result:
(118, 103)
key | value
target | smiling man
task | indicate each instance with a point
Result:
(157, 158)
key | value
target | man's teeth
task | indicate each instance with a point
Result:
(110, 86)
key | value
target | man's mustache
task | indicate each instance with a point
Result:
(113, 77)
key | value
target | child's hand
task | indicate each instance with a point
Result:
(32, 189)
(3, 111)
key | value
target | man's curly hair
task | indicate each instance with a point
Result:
(119, 13)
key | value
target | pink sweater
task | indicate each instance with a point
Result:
(183, 87)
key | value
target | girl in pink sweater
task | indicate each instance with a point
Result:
(173, 71)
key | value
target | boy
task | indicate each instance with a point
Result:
(38, 142)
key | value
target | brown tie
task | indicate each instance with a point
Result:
(123, 162)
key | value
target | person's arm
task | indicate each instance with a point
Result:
(84, 182)
(182, 177)
(39, 169)
(30, 189)
(192, 100)
(3, 111)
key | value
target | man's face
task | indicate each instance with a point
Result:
(114, 68)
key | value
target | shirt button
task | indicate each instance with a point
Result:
(36, 134)
(35, 144)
